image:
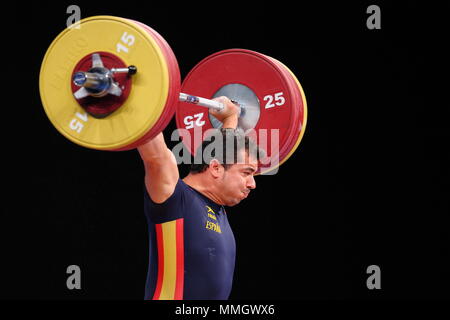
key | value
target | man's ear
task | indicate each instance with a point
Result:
(215, 168)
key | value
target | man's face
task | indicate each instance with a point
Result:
(237, 181)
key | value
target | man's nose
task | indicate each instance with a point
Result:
(251, 183)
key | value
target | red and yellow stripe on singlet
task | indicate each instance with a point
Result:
(170, 242)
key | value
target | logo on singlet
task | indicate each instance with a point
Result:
(212, 216)
(212, 225)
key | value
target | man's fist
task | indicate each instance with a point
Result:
(228, 115)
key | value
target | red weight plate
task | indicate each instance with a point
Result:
(274, 88)
(302, 119)
(174, 87)
(298, 124)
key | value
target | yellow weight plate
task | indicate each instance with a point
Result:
(143, 106)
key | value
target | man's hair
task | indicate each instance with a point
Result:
(225, 146)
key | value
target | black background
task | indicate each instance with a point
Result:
(368, 185)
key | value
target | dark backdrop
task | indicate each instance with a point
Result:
(368, 185)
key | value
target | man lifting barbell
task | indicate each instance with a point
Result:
(114, 84)
(192, 247)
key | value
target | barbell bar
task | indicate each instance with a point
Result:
(99, 81)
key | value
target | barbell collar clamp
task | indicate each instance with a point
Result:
(99, 81)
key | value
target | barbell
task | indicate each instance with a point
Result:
(114, 83)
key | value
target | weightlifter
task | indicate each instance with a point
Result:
(192, 247)
(115, 82)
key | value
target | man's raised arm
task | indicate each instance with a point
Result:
(161, 170)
